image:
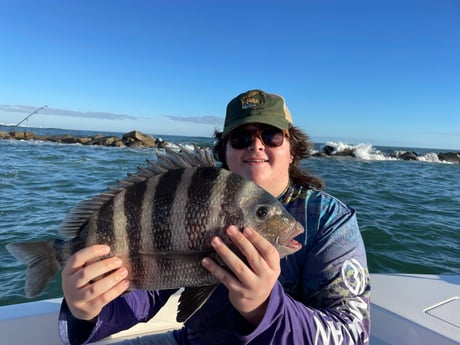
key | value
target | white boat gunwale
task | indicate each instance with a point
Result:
(406, 309)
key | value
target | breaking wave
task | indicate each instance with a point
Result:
(368, 152)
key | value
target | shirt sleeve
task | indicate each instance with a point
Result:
(322, 296)
(120, 314)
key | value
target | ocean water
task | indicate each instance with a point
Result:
(408, 211)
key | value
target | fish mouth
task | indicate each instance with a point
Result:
(286, 239)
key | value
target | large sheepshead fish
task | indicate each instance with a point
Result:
(160, 221)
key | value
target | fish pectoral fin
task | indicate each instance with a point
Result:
(192, 299)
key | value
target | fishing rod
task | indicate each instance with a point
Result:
(28, 116)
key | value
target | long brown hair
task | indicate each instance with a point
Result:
(300, 149)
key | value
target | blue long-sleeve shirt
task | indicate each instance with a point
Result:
(321, 297)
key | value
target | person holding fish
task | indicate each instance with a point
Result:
(313, 289)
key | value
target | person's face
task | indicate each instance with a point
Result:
(265, 165)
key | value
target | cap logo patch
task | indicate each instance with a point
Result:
(252, 100)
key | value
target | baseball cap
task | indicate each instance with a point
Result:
(257, 106)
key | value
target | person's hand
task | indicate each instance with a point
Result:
(87, 284)
(250, 284)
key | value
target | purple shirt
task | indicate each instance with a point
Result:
(322, 296)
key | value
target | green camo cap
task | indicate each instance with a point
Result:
(256, 106)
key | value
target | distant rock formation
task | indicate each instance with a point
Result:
(409, 156)
(451, 157)
(329, 150)
(132, 139)
(137, 139)
(333, 151)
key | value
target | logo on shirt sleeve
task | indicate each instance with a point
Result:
(354, 276)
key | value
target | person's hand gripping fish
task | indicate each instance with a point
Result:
(250, 284)
(89, 282)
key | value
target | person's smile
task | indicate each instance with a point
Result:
(255, 161)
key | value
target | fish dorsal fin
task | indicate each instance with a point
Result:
(78, 216)
(192, 299)
(170, 159)
(193, 158)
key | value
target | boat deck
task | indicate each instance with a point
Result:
(415, 309)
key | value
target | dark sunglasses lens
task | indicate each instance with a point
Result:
(272, 137)
(241, 140)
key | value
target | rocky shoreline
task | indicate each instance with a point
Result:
(133, 139)
(137, 139)
(450, 157)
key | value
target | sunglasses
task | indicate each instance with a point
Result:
(243, 138)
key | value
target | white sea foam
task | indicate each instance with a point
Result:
(430, 157)
(366, 151)
(362, 151)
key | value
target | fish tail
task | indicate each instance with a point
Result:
(41, 261)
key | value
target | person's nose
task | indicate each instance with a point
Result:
(256, 144)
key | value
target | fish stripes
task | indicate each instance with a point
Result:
(119, 223)
(133, 229)
(234, 186)
(163, 219)
(162, 209)
(104, 221)
(202, 199)
(179, 213)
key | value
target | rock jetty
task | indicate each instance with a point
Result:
(137, 139)
(133, 139)
(333, 151)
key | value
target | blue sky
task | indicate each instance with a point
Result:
(385, 72)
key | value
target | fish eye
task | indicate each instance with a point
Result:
(262, 212)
